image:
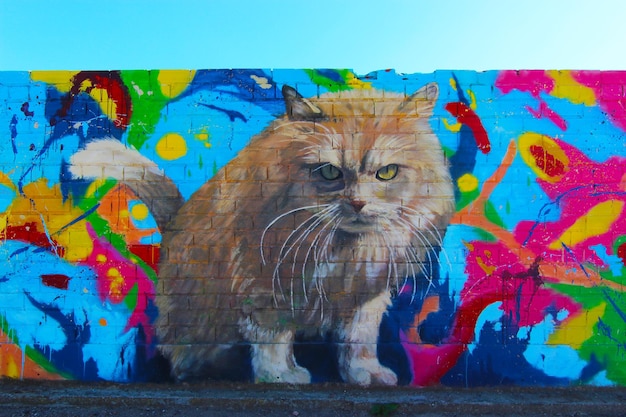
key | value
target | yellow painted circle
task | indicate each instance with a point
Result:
(140, 211)
(171, 146)
(467, 183)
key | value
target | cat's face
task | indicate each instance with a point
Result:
(374, 166)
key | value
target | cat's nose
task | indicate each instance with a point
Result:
(357, 205)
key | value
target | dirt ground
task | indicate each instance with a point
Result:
(59, 399)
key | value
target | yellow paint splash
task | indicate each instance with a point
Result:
(94, 186)
(486, 268)
(40, 203)
(567, 87)
(140, 211)
(174, 82)
(596, 221)
(472, 97)
(576, 330)
(117, 282)
(551, 151)
(204, 136)
(171, 146)
(62, 80)
(454, 128)
(6, 181)
(101, 96)
(12, 371)
(467, 183)
(354, 82)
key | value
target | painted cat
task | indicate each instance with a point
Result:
(311, 228)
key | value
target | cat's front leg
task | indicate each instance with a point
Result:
(358, 359)
(272, 355)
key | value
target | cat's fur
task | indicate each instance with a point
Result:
(275, 244)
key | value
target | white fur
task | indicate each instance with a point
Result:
(272, 355)
(358, 361)
(109, 158)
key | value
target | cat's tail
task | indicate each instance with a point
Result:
(109, 158)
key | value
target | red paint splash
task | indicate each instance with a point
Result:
(465, 115)
(112, 83)
(28, 232)
(545, 161)
(621, 252)
(59, 281)
(147, 253)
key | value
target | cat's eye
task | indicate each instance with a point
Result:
(387, 173)
(330, 172)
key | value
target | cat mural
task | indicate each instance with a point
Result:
(313, 227)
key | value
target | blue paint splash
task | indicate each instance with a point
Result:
(13, 130)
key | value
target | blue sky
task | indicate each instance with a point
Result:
(407, 35)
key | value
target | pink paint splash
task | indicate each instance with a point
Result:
(535, 83)
(105, 258)
(495, 274)
(608, 87)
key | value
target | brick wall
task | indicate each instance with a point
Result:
(102, 279)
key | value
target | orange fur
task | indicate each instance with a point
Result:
(274, 244)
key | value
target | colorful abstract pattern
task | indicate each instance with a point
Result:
(530, 290)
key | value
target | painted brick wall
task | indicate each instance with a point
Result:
(459, 228)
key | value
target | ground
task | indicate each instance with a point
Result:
(59, 399)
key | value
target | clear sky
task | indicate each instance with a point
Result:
(365, 35)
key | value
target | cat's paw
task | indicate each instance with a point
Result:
(295, 375)
(370, 372)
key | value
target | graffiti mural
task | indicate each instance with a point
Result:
(455, 228)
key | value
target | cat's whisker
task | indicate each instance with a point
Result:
(428, 276)
(324, 255)
(391, 265)
(317, 218)
(318, 276)
(425, 245)
(419, 235)
(439, 241)
(428, 246)
(409, 267)
(282, 254)
(434, 231)
(276, 220)
(312, 248)
(301, 239)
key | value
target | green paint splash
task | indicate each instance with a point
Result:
(492, 215)
(148, 102)
(331, 85)
(607, 344)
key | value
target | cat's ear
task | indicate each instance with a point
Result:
(299, 108)
(423, 100)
